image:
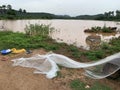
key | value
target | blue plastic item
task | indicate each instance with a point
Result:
(4, 52)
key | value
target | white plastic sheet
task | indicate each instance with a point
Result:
(47, 64)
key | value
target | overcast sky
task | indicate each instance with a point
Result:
(65, 7)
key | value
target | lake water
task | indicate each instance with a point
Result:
(68, 31)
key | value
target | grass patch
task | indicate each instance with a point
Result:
(36, 29)
(79, 85)
(95, 55)
(76, 53)
(38, 38)
(99, 86)
(103, 29)
(10, 39)
(19, 40)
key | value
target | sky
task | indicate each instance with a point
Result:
(65, 7)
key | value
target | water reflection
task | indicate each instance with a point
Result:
(68, 31)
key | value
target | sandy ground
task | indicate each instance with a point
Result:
(20, 78)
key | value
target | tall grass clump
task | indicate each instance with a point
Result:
(36, 29)
(103, 29)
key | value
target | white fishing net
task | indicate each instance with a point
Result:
(47, 64)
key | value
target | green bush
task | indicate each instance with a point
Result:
(106, 30)
(103, 29)
(36, 29)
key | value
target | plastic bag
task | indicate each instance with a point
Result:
(47, 64)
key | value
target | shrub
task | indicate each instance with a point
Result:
(35, 29)
(103, 29)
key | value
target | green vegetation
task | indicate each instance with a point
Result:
(74, 51)
(111, 15)
(37, 36)
(103, 29)
(20, 40)
(99, 86)
(34, 39)
(95, 55)
(79, 85)
(105, 49)
(7, 12)
(41, 30)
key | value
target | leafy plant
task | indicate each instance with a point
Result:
(35, 29)
(103, 29)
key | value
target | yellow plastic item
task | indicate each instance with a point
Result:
(17, 51)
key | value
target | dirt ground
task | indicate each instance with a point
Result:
(20, 78)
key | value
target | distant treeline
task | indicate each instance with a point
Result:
(7, 12)
(111, 15)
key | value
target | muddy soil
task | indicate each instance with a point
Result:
(20, 78)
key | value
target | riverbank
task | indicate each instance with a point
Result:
(21, 78)
(16, 77)
(64, 29)
(17, 40)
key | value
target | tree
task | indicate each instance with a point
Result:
(20, 10)
(106, 14)
(0, 7)
(109, 13)
(24, 11)
(117, 13)
(11, 14)
(9, 7)
(4, 7)
(112, 12)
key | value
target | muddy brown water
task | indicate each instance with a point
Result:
(68, 31)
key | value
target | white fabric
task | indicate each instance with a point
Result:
(47, 64)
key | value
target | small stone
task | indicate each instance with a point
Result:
(87, 86)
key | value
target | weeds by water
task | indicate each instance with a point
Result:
(10, 39)
(36, 29)
(103, 29)
(37, 36)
